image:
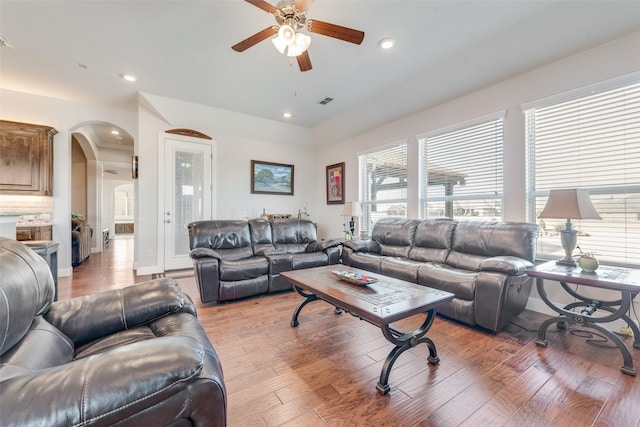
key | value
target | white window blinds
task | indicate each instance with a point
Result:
(461, 171)
(589, 139)
(383, 184)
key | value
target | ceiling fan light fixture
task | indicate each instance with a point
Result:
(287, 34)
(280, 44)
(300, 44)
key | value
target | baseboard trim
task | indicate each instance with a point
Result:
(145, 271)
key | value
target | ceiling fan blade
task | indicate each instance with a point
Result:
(267, 7)
(304, 62)
(336, 31)
(254, 39)
(303, 5)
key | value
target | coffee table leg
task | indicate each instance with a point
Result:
(308, 299)
(403, 342)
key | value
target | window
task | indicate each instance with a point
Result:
(123, 202)
(461, 171)
(383, 184)
(589, 139)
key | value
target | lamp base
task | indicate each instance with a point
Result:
(568, 262)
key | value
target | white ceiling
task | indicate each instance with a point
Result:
(182, 49)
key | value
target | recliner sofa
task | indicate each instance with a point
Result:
(482, 263)
(236, 259)
(136, 356)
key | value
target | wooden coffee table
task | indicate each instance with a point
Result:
(381, 303)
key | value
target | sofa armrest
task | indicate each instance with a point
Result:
(362, 245)
(510, 265)
(204, 253)
(85, 319)
(105, 388)
(322, 245)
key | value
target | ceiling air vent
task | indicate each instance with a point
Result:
(326, 101)
(4, 42)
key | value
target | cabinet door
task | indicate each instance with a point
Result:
(26, 159)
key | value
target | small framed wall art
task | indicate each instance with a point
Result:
(271, 178)
(335, 184)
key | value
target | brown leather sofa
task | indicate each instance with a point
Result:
(136, 356)
(237, 259)
(482, 263)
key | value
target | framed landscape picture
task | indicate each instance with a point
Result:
(335, 184)
(271, 178)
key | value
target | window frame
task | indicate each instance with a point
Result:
(423, 169)
(586, 95)
(366, 222)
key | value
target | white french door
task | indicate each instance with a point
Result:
(188, 195)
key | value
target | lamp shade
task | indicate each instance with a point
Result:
(351, 209)
(569, 204)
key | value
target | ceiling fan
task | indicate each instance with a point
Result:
(290, 17)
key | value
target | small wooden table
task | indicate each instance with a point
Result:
(623, 280)
(381, 303)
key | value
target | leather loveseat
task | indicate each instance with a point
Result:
(136, 356)
(235, 259)
(482, 263)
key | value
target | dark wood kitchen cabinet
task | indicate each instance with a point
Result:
(26, 159)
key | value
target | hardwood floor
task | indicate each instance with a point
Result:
(324, 372)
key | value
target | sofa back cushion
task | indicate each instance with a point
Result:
(293, 235)
(230, 238)
(261, 236)
(433, 240)
(475, 241)
(26, 290)
(395, 236)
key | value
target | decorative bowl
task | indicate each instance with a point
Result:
(588, 263)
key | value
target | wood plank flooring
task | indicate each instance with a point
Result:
(324, 372)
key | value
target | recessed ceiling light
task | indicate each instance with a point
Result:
(129, 77)
(386, 43)
(286, 115)
(115, 132)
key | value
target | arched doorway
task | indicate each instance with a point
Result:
(101, 158)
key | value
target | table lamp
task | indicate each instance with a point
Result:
(569, 204)
(352, 209)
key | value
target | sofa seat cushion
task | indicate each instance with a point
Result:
(28, 355)
(242, 269)
(366, 261)
(289, 262)
(309, 260)
(400, 268)
(291, 248)
(460, 282)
